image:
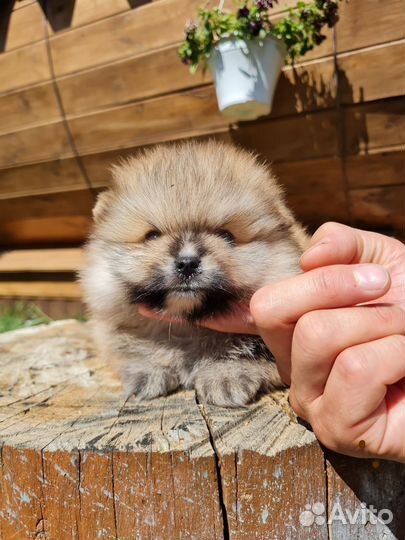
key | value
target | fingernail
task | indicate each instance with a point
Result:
(371, 277)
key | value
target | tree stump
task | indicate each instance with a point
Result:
(79, 461)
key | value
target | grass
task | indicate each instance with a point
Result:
(21, 315)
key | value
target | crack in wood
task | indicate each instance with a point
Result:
(217, 462)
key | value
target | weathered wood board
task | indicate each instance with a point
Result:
(79, 461)
(86, 81)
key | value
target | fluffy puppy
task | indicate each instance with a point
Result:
(192, 229)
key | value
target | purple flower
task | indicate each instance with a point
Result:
(305, 13)
(265, 4)
(243, 12)
(255, 27)
(191, 26)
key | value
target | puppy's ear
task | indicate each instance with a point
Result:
(100, 209)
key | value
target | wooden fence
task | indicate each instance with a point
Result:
(84, 82)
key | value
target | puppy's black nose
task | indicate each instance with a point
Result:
(187, 266)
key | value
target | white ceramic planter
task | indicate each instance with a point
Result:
(245, 75)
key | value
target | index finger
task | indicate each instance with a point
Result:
(276, 308)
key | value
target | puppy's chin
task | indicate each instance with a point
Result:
(181, 304)
(190, 305)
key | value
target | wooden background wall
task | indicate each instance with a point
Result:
(84, 82)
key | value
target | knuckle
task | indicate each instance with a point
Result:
(351, 364)
(312, 332)
(387, 316)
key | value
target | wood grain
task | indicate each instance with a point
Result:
(355, 31)
(148, 27)
(180, 115)
(382, 206)
(46, 177)
(75, 203)
(360, 73)
(24, 66)
(43, 143)
(44, 289)
(27, 16)
(62, 230)
(383, 168)
(41, 260)
(147, 75)
(79, 460)
(29, 106)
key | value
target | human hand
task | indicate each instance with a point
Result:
(342, 352)
(345, 361)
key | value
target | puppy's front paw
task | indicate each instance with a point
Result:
(227, 386)
(148, 384)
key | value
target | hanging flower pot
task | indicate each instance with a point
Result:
(246, 50)
(246, 74)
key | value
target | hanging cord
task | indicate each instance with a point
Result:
(62, 109)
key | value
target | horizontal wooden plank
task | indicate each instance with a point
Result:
(314, 189)
(171, 117)
(24, 25)
(307, 136)
(45, 289)
(367, 126)
(55, 308)
(24, 108)
(57, 230)
(136, 78)
(360, 73)
(380, 206)
(61, 16)
(24, 66)
(374, 125)
(305, 88)
(42, 143)
(368, 22)
(64, 175)
(65, 15)
(41, 260)
(75, 203)
(385, 168)
(46, 177)
(143, 29)
(160, 24)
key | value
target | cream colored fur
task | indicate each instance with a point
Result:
(196, 197)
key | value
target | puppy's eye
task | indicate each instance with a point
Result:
(226, 235)
(152, 235)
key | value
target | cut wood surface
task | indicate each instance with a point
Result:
(79, 460)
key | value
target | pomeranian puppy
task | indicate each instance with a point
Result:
(192, 230)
